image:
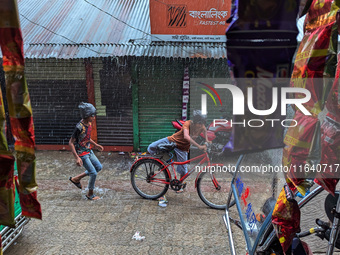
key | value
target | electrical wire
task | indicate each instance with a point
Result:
(73, 42)
(107, 13)
(146, 33)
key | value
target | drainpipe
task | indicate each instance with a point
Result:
(91, 95)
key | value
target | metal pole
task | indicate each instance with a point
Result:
(230, 234)
(335, 229)
(226, 217)
(229, 198)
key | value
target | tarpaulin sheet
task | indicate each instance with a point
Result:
(314, 66)
(21, 119)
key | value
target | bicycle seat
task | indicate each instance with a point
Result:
(166, 147)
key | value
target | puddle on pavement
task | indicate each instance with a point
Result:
(102, 193)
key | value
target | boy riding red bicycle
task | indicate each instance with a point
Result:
(182, 139)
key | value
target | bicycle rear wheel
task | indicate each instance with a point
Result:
(213, 188)
(149, 178)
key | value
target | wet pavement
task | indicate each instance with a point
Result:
(74, 225)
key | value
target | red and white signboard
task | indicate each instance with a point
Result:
(189, 20)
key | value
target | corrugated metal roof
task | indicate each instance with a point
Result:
(84, 21)
(176, 50)
(98, 28)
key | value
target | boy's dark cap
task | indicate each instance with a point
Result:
(86, 110)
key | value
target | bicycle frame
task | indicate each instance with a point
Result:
(266, 231)
(166, 165)
(301, 204)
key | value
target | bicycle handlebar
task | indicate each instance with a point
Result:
(323, 226)
(311, 231)
(207, 144)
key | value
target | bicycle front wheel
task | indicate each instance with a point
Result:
(213, 189)
(149, 178)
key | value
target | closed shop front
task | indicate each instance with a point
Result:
(56, 88)
(160, 87)
(115, 127)
(55, 108)
(159, 97)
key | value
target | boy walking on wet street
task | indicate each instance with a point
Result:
(79, 143)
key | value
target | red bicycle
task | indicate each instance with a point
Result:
(151, 178)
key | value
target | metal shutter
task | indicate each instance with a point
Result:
(159, 99)
(116, 128)
(55, 108)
